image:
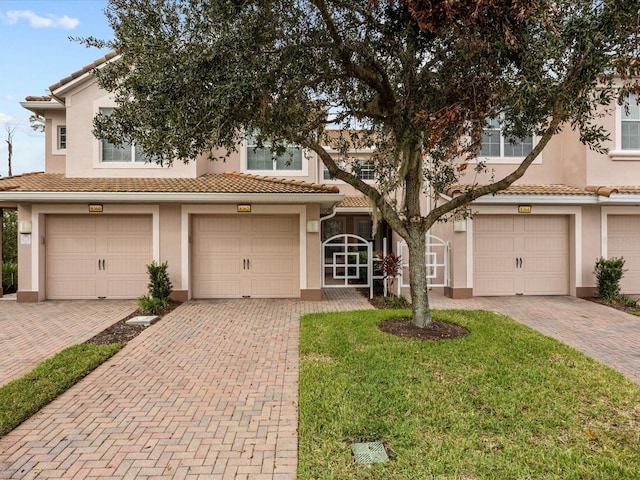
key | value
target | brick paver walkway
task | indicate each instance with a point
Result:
(610, 336)
(209, 392)
(33, 332)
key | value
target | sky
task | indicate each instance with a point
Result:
(36, 52)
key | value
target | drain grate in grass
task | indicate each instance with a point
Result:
(369, 452)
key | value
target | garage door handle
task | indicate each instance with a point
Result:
(248, 264)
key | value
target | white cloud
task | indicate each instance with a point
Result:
(37, 21)
(7, 97)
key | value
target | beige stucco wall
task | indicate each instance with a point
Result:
(591, 243)
(24, 252)
(170, 238)
(313, 250)
(54, 160)
(83, 102)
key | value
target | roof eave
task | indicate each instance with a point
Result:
(537, 199)
(38, 107)
(326, 199)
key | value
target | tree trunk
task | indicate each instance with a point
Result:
(418, 280)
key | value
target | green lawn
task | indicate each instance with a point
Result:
(21, 398)
(504, 402)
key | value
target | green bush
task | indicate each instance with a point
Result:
(609, 272)
(159, 289)
(159, 284)
(9, 277)
(150, 305)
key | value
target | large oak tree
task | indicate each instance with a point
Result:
(418, 78)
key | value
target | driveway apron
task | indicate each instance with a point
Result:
(33, 332)
(209, 392)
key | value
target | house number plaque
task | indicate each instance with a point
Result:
(244, 208)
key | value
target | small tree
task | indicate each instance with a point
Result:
(609, 272)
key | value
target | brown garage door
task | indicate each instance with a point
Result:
(623, 240)
(97, 256)
(245, 256)
(520, 255)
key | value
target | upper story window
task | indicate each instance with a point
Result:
(630, 125)
(127, 153)
(495, 144)
(366, 170)
(263, 159)
(62, 138)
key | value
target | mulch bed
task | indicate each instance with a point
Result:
(437, 330)
(121, 332)
(617, 306)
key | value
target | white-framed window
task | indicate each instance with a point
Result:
(261, 159)
(127, 153)
(62, 137)
(496, 145)
(630, 125)
(366, 170)
(325, 171)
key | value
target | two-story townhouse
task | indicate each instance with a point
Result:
(253, 224)
(89, 224)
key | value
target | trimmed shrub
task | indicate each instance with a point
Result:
(159, 284)
(159, 289)
(609, 272)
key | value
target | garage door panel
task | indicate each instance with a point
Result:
(495, 224)
(273, 266)
(545, 244)
(494, 264)
(72, 267)
(267, 243)
(128, 225)
(129, 244)
(623, 240)
(545, 285)
(217, 266)
(551, 264)
(217, 225)
(494, 244)
(75, 246)
(493, 286)
(217, 288)
(272, 245)
(271, 225)
(531, 258)
(72, 224)
(122, 288)
(545, 224)
(274, 287)
(72, 289)
(122, 244)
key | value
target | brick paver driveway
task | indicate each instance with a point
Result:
(33, 332)
(610, 336)
(209, 392)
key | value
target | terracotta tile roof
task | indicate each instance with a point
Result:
(337, 138)
(540, 189)
(83, 70)
(607, 191)
(355, 202)
(33, 98)
(230, 182)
